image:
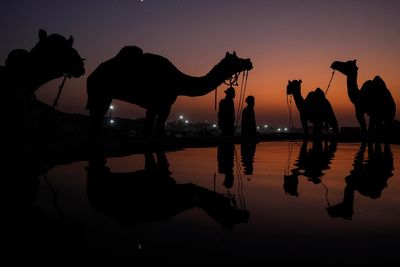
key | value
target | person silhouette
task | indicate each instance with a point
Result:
(248, 125)
(226, 113)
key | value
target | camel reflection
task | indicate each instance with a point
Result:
(311, 163)
(368, 177)
(150, 195)
(24, 222)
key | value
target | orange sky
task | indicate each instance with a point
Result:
(284, 39)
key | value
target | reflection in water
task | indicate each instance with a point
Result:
(22, 221)
(247, 151)
(368, 177)
(225, 158)
(311, 163)
(151, 194)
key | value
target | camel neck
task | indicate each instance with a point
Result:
(198, 86)
(352, 88)
(298, 99)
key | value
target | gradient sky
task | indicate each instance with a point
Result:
(285, 39)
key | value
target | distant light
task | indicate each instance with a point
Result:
(214, 125)
(111, 107)
(279, 129)
(112, 121)
(285, 129)
(258, 127)
(266, 126)
(181, 117)
(186, 121)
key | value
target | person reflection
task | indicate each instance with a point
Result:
(310, 163)
(225, 158)
(247, 151)
(152, 194)
(368, 177)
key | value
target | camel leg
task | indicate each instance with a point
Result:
(317, 129)
(361, 120)
(97, 111)
(374, 128)
(149, 124)
(304, 124)
(161, 119)
(335, 128)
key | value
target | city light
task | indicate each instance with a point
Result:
(181, 117)
(111, 107)
(112, 121)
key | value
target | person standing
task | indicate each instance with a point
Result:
(248, 125)
(226, 113)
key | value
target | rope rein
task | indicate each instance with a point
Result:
(329, 84)
(59, 90)
(243, 89)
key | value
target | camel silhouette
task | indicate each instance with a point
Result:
(315, 108)
(26, 71)
(152, 82)
(373, 99)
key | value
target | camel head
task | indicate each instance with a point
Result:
(54, 55)
(293, 87)
(348, 68)
(231, 64)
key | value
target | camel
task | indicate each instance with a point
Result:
(26, 71)
(373, 99)
(152, 82)
(315, 109)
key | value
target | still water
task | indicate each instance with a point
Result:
(273, 203)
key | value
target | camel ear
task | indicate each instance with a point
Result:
(234, 53)
(227, 54)
(42, 34)
(300, 81)
(70, 40)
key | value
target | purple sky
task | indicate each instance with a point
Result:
(285, 39)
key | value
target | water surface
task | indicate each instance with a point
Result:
(278, 202)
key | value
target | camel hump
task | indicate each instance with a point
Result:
(130, 52)
(18, 58)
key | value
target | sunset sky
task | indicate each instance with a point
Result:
(285, 40)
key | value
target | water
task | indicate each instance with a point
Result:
(334, 207)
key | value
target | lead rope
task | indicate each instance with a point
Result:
(290, 145)
(239, 175)
(242, 95)
(59, 91)
(329, 84)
